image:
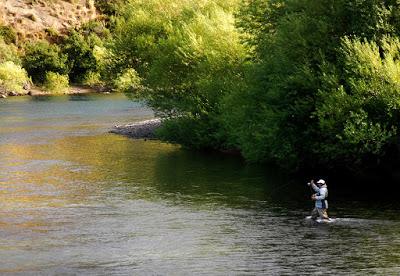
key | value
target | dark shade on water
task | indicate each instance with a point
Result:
(77, 200)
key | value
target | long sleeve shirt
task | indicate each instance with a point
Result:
(321, 196)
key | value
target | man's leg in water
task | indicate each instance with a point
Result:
(314, 213)
(323, 213)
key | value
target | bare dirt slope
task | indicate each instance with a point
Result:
(33, 18)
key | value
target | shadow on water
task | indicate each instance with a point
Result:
(71, 98)
(213, 176)
(43, 98)
(205, 180)
(152, 170)
(199, 178)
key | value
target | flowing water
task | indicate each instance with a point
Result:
(76, 200)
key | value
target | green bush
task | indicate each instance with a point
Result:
(95, 27)
(42, 57)
(187, 58)
(358, 116)
(52, 32)
(8, 52)
(127, 81)
(79, 50)
(93, 79)
(12, 76)
(322, 86)
(307, 83)
(8, 34)
(108, 7)
(56, 83)
(197, 133)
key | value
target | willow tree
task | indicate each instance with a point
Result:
(307, 102)
(187, 54)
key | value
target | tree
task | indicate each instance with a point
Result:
(297, 50)
(187, 57)
(358, 115)
(79, 50)
(41, 57)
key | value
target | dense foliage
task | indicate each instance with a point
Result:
(55, 82)
(295, 82)
(8, 34)
(8, 52)
(75, 54)
(80, 48)
(12, 76)
(42, 57)
(79, 52)
(187, 58)
(108, 7)
(324, 86)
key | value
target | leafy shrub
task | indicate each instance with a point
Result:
(313, 97)
(8, 52)
(93, 79)
(359, 117)
(197, 133)
(56, 83)
(108, 7)
(12, 76)
(41, 57)
(8, 34)
(127, 81)
(186, 57)
(79, 50)
(95, 27)
(52, 32)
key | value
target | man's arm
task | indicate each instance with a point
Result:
(322, 194)
(313, 186)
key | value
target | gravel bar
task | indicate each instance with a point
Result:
(140, 130)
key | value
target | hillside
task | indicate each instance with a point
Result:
(33, 18)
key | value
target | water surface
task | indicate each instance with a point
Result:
(75, 199)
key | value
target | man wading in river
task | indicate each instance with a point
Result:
(321, 204)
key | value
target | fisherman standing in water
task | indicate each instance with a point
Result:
(321, 204)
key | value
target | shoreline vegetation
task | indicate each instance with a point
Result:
(300, 84)
(37, 91)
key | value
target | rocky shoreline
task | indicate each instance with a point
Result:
(36, 91)
(140, 130)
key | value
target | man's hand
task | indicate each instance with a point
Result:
(313, 197)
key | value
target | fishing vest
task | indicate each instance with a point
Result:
(322, 203)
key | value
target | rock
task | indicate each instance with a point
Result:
(26, 86)
(3, 96)
(29, 93)
(141, 130)
(12, 93)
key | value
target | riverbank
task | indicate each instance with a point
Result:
(37, 91)
(139, 130)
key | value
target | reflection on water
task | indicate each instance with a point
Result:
(76, 200)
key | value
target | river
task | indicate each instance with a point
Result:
(76, 200)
